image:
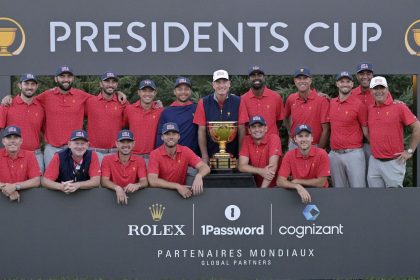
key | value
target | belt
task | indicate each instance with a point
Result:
(105, 151)
(343, 151)
(385, 159)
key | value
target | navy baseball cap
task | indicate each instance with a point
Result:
(109, 75)
(364, 66)
(302, 127)
(170, 126)
(255, 69)
(79, 134)
(257, 119)
(343, 74)
(28, 77)
(125, 134)
(12, 130)
(182, 81)
(63, 69)
(147, 83)
(302, 72)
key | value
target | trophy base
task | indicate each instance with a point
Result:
(223, 163)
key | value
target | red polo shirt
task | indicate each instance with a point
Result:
(63, 114)
(53, 168)
(143, 123)
(386, 128)
(259, 155)
(269, 106)
(200, 114)
(172, 169)
(123, 174)
(347, 118)
(20, 169)
(105, 120)
(366, 96)
(313, 111)
(29, 118)
(315, 165)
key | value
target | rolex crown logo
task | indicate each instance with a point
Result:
(156, 210)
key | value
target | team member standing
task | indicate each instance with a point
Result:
(260, 153)
(26, 113)
(219, 106)
(348, 120)
(73, 168)
(123, 172)
(386, 121)
(142, 118)
(262, 101)
(307, 165)
(105, 116)
(168, 164)
(306, 107)
(18, 168)
(181, 112)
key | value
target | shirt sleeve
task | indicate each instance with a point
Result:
(325, 110)
(193, 159)
(324, 164)
(141, 168)
(280, 108)
(153, 165)
(33, 166)
(243, 113)
(245, 148)
(407, 116)
(274, 146)
(94, 167)
(106, 167)
(53, 168)
(285, 169)
(200, 115)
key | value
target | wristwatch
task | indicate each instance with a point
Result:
(18, 187)
(410, 151)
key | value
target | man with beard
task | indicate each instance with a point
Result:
(18, 168)
(181, 112)
(306, 107)
(105, 116)
(219, 106)
(260, 153)
(168, 164)
(123, 172)
(73, 168)
(142, 118)
(262, 101)
(348, 120)
(386, 121)
(26, 113)
(305, 166)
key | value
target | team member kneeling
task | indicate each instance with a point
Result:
(168, 164)
(73, 168)
(308, 166)
(124, 172)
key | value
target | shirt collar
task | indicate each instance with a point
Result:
(312, 95)
(265, 94)
(57, 91)
(20, 101)
(116, 158)
(20, 154)
(163, 152)
(101, 97)
(311, 152)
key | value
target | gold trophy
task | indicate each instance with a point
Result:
(223, 133)
(417, 36)
(7, 37)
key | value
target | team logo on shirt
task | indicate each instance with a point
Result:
(412, 38)
(11, 32)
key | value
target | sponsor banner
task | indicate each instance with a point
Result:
(161, 37)
(224, 234)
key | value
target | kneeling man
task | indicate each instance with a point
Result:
(168, 164)
(73, 168)
(124, 172)
(307, 166)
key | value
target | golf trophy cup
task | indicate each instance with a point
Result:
(416, 33)
(222, 133)
(7, 37)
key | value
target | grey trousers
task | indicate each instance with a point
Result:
(348, 170)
